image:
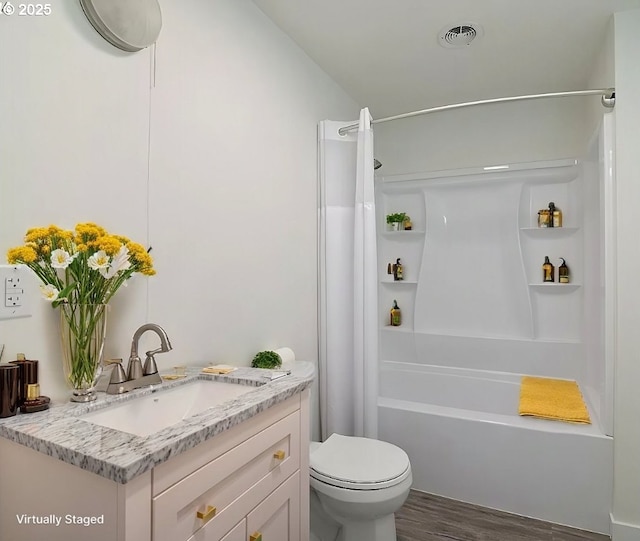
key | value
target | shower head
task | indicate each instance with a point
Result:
(376, 164)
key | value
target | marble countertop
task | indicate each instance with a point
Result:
(60, 433)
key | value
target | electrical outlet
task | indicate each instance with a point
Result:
(13, 299)
(16, 297)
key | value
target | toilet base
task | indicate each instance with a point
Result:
(347, 515)
(383, 528)
(323, 527)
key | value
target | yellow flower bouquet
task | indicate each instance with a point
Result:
(80, 271)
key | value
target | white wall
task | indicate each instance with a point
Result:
(73, 148)
(602, 76)
(234, 181)
(482, 135)
(626, 512)
(226, 196)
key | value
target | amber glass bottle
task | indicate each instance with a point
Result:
(555, 215)
(398, 271)
(563, 273)
(395, 316)
(547, 270)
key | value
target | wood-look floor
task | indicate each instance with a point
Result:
(425, 517)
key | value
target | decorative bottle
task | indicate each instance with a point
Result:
(398, 271)
(563, 273)
(395, 316)
(547, 270)
(543, 218)
(555, 215)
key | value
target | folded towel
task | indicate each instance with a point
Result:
(556, 399)
(219, 369)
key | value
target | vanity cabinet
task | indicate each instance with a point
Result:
(247, 481)
(239, 533)
(229, 484)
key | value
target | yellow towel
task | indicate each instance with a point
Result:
(553, 399)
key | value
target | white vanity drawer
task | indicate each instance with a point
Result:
(234, 483)
(239, 533)
(177, 468)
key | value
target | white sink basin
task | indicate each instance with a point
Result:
(149, 414)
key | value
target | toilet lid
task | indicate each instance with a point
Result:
(359, 463)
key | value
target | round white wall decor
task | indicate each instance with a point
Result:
(130, 25)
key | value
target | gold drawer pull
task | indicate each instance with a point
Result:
(209, 513)
(255, 536)
(279, 455)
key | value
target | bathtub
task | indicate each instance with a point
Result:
(466, 441)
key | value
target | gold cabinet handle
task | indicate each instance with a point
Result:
(279, 455)
(255, 536)
(209, 513)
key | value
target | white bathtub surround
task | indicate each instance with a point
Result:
(477, 317)
(348, 328)
(466, 441)
(474, 296)
(466, 224)
(622, 531)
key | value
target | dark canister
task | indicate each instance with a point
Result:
(28, 374)
(8, 390)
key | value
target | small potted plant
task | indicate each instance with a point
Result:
(266, 359)
(396, 220)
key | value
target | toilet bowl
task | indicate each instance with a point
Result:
(357, 485)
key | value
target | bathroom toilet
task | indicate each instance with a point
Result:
(357, 485)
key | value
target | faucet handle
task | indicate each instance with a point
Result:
(150, 366)
(134, 369)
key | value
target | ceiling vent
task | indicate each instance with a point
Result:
(459, 35)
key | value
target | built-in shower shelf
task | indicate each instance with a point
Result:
(548, 232)
(401, 328)
(415, 233)
(555, 287)
(398, 282)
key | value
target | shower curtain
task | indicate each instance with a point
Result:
(348, 317)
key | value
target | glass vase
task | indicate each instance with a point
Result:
(82, 333)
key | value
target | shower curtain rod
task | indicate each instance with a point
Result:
(608, 100)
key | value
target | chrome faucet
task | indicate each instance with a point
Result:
(134, 369)
(138, 376)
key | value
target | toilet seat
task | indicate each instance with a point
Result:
(358, 463)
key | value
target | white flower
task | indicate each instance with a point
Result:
(60, 259)
(99, 260)
(49, 292)
(120, 262)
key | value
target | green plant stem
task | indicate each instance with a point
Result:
(83, 346)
